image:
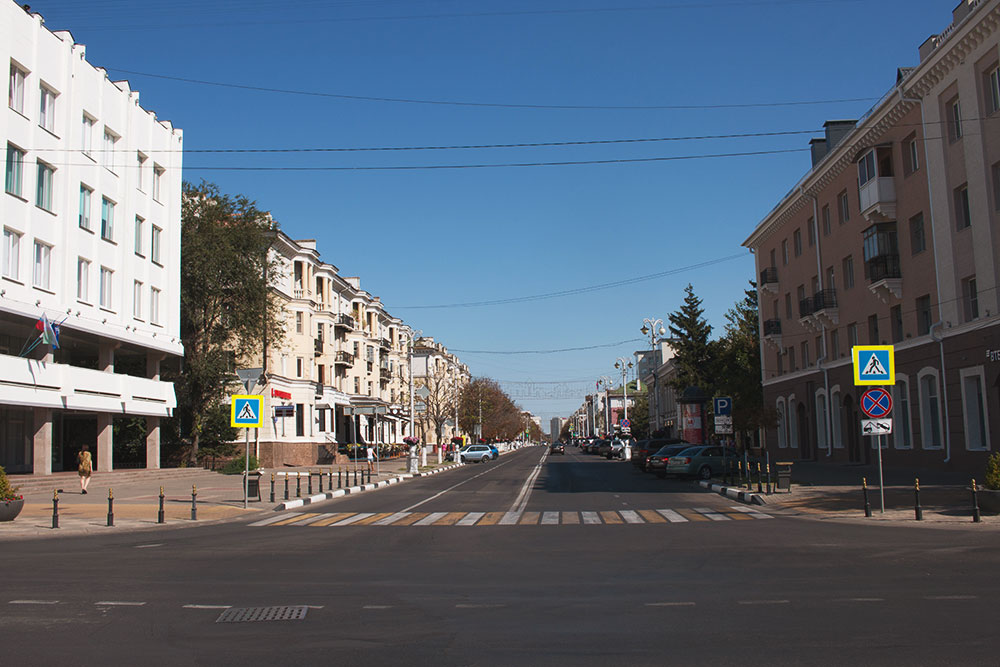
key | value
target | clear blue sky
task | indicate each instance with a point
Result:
(450, 236)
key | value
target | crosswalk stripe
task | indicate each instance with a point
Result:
(693, 516)
(411, 519)
(313, 519)
(491, 519)
(373, 518)
(449, 519)
(529, 518)
(651, 516)
(611, 517)
(712, 514)
(571, 518)
(471, 518)
(749, 511)
(391, 519)
(672, 516)
(333, 518)
(295, 519)
(353, 519)
(430, 518)
(590, 517)
(630, 516)
(509, 518)
(274, 519)
(739, 517)
(550, 518)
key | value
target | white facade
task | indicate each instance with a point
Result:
(91, 222)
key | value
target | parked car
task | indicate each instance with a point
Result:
(477, 453)
(701, 460)
(618, 448)
(656, 463)
(557, 448)
(604, 449)
(643, 449)
(494, 452)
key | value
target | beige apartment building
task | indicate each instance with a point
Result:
(439, 378)
(892, 237)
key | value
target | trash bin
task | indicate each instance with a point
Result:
(784, 469)
(253, 484)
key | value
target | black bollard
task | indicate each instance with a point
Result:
(739, 473)
(159, 515)
(320, 473)
(330, 479)
(918, 511)
(976, 518)
(194, 502)
(55, 508)
(298, 485)
(355, 473)
(310, 479)
(272, 487)
(340, 477)
(767, 472)
(286, 484)
(111, 508)
(868, 505)
(760, 488)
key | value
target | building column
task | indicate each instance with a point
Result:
(152, 443)
(42, 442)
(105, 438)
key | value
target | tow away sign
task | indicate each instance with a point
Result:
(876, 426)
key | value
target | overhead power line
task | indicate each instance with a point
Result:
(565, 349)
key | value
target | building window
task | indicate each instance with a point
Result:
(83, 279)
(896, 321)
(974, 408)
(15, 90)
(866, 168)
(873, 335)
(298, 322)
(42, 265)
(822, 420)
(43, 194)
(811, 231)
(792, 423)
(797, 242)
(138, 235)
(85, 194)
(901, 428)
(781, 363)
(970, 298)
(843, 207)
(918, 241)
(87, 135)
(852, 334)
(157, 181)
(963, 213)
(930, 409)
(140, 166)
(107, 219)
(14, 172)
(847, 267)
(805, 354)
(107, 278)
(47, 109)
(357, 386)
(911, 160)
(835, 343)
(826, 220)
(298, 367)
(155, 241)
(137, 300)
(923, 315)
(780, 408)
(837, 404)
(788, 305)
(154, 306)
(954, 119)
(11, 253)
(110, 139)
(790, 352)
(993, 90)
(784, 251)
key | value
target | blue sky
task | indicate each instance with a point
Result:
(429, 237)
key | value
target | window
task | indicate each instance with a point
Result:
(43, 193)
(835, 344)
(138, 235)
(140, 164)
(15, 90)
(107, 219)
(852, 334)
(822, 420)
(42, 265)
(107, 277)
(974, 408)
(963, 214)
(87, 135)
(154, 306)
(110, 139)
(14, 172)
(357, 386)
(918, 241)
(843, 207)
(837, 404)
(155, 240)
(826, 220)
(782, 430)
(970, 297)
(85, 193)
(46, 109)
(83, 279)
(797, 242)
(911, 160)
(157, 181)
(791, 359)
(923, 306)
(298, 322)
(866, 168)
(11, 253)
(784, 251)
(993, 90)
(805, 354)
(773, 253)
(896, 321)
(792, 422)
(954, 119)
(873, 337)
(137, 300)
(781, 363)
(811, 227)
(930, 409)
(901, 427)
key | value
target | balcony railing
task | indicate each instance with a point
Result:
(824, 299)
(806, 307)
(883, 267)
(772, 327)
(769, 276)
(385, 374)
(345, 321)
(344, 358)
(385, 344)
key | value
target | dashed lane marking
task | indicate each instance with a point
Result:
(33, 602)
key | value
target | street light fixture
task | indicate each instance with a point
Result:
(605, 381)
(654, 329)
(412, 334)
(624, 366)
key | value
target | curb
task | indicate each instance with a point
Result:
(351, 490)
(746, 497)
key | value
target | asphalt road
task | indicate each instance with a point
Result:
(705, 584)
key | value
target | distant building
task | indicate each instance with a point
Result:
(555, 427)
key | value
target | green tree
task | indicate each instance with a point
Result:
(501, 418)
(695, 353)
(227, 307)
(638, 414)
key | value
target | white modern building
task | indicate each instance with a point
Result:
(91, 241)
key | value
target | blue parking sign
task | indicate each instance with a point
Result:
(723, 406)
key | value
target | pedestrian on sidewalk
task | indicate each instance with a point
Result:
(84, 466)
(370, 452)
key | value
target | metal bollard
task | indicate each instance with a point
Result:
(320, 474)
(310, 480)
(286, 484)
(918, 511)
(976, 518)
(760, 488)
(768, 473)
(330, 478)
(55, 508)
(159, 515)
(355, 474)
(272, 487)
(739, 473)
(340, 477)
(868, 505)
(111, 508)
(194, 502)
(298, 485)
(749, 477)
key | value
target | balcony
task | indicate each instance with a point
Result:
(885, 278)
(385, 344)
(772, 333)
(343, 322)
(769, 280)
(384, 374)
(878, 199)
(825, 308)
(343, 359)
(303, 294)
(807, 307)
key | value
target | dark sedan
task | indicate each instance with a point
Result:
(657, 463)
(557, 448)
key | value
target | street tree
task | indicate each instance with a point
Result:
(695, 353)
(484, 401)
(441, 395)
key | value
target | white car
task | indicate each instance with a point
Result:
(477, 453)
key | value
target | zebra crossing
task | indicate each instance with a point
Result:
(545, 518)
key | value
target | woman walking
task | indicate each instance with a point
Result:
(84, 466)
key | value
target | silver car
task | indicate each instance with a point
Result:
(477, 453)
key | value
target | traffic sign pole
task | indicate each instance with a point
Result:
(881, 488)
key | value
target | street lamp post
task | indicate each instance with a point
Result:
(624, 366)
(654, 328)
(605, 381)
(413, 334)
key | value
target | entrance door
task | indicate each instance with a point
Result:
(70, 433)
(849, 429)
(805, 443)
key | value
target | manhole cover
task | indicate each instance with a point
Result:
(252, 614)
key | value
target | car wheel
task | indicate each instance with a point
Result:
(705, 472)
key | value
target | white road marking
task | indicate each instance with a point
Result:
(550, 518)
(208, 606)
(590, 517)
(951, 597)
(112, 603)
(479, 606)
(631, 517)
(672, 516)
(377, 606)
(353, 519)
(763, 601)
(148, 546)
(470, 519)
(670, 604)
(441, 493)
(509, 519)
(517, 509)
(860, 600)
(314, 519)
(274, 519)
(314, 606)
(712, 514)
(754, 513)
(391, 519)
(33, 602)
(431, 518)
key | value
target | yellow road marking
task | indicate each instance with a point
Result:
(651, 516)
(738, 516)
(372, 519)
(570, 518)
(611, 517)
(693, 516)
(529, 518)
(413, 518)
(450, 518)
(339, 516)
(301, 517)
(491, 519)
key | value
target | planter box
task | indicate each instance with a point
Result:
(9, 509)
(989, 501)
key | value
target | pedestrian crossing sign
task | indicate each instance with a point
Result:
(874, 365)
(247, 412)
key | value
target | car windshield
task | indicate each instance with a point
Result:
(692, 451)
(669, 450)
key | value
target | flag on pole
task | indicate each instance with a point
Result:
(50, 332)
